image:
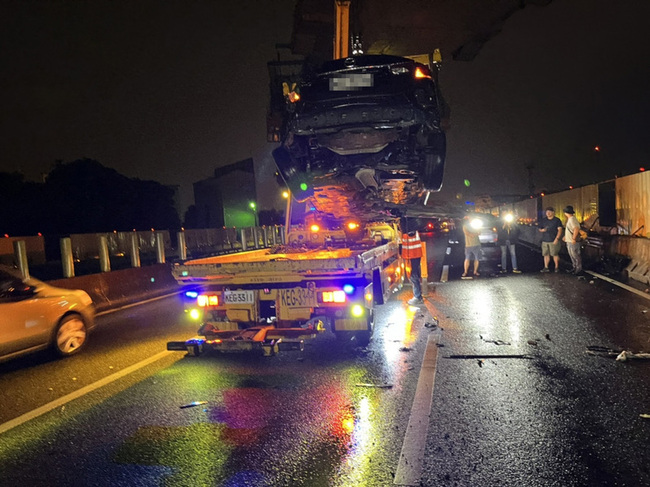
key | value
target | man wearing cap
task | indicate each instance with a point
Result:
(572, 239)
(551, 229)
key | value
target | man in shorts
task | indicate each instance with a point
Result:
(551, 230)
(472, 247)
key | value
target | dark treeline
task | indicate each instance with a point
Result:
(83, 197)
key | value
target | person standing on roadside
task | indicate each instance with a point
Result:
(508, 236)
(471, 229)
(551, 229)
(572, 240)
(412, 253)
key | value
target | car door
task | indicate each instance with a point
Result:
(24, 323)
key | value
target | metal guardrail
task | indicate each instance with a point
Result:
(202, 242)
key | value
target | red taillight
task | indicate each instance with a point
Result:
(421, 72)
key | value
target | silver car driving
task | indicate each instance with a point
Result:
(36, 316)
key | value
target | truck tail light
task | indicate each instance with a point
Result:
(334, 297)
(207, 300)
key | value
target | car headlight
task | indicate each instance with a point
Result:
(476, 223)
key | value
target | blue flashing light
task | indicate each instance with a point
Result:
(192, 294)
(469, 203)
(348, 288)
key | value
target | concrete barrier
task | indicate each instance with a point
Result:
(118, 288)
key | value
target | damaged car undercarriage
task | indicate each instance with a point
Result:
(373, 122)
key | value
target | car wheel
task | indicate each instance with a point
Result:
(293, 175)
(70, 335)
(434, 163)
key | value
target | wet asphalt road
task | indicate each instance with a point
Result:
(556, 416)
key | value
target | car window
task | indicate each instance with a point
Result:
(8, 283)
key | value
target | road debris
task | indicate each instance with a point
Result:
(496, 342)
(620, 355)
(548, 337)
(193, 404)
(433, 326)
(602, 351)
(644, 416)
(405, 349)
(532, 342)
(378, 386)
(626, 354)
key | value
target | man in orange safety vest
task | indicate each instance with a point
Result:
(412, 252)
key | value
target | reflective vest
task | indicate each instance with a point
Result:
(411, 246)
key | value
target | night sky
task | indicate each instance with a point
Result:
(171, 90)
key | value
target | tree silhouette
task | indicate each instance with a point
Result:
(84, 197)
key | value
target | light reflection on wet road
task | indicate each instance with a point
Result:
(560, 418)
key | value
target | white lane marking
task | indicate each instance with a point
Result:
(76, 394)
(409, 469)
(445, 273)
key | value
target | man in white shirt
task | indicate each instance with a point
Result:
(572, 239)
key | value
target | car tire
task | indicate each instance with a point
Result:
(434, 163)
(70, 335)
(292, 174)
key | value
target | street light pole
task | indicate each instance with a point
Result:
(253, 207)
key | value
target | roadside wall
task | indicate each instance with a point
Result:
(34, 246)
(118, 288)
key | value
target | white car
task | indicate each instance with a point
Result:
(36, 316)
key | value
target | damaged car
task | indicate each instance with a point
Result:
(376, 120)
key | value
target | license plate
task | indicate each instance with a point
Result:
(238, 297)
(350, 82)
(298, 297)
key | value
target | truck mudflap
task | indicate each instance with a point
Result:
(266, 341)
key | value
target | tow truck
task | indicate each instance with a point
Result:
(328, 276)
